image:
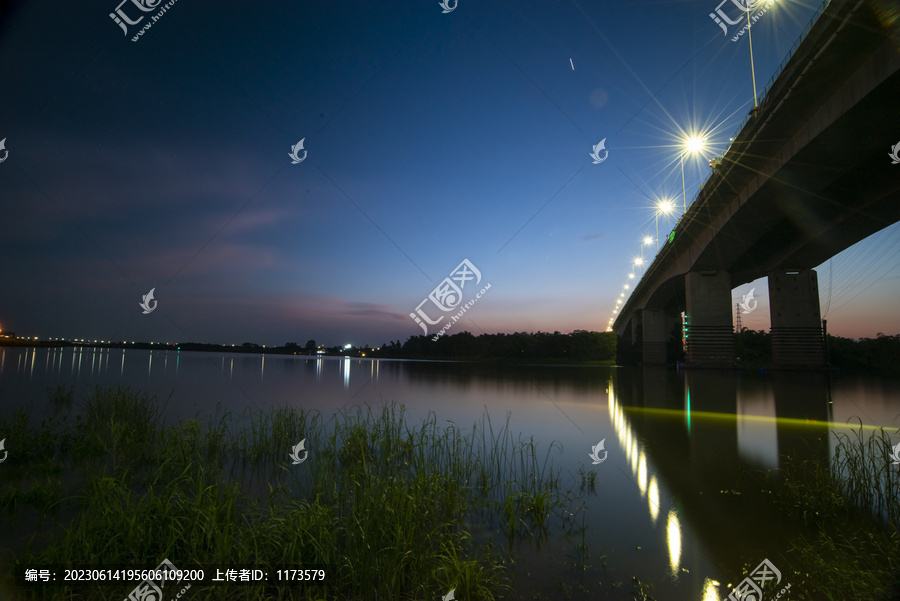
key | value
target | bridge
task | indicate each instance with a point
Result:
(807, 176)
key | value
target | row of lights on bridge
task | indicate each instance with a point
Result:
(666, 206)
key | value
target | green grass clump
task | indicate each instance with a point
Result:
(387, 506)
(851, 510)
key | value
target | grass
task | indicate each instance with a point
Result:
(387, 506)
(851, 511)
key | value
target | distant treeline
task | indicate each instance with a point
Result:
(580, 345)
(873, 355)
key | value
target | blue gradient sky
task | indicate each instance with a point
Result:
(431, 138)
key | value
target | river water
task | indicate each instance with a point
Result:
(675, 443)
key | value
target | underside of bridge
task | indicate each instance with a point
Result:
(806, 178)
(798, 340)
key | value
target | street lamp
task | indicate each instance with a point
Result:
(694, 144)
(647, 241)
(750, 40)
(640, 261)
(662, 207)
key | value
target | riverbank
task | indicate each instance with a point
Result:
(389, 509)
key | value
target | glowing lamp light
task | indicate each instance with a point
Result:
(665, 207)
(695, 144)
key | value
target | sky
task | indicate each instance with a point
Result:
(429, 138)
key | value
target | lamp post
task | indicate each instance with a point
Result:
(640, 261)
(657, 232)
(752, 70)
(647, 241)
(694, 144)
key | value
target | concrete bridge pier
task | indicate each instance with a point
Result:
(797, 338)
(709, 333)
(635, 328)
(657, 330)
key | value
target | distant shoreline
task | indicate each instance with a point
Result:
(846, 360)
(279, 350)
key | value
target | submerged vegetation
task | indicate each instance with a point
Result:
(394, 511)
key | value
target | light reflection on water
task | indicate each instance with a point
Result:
(675, 441)
(673, 538)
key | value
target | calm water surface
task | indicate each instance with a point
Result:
(662, 507)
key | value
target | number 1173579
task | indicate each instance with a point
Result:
(291, 575)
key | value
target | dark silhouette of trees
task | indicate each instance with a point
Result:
(880, 354)
(754, 347)
(579, 345)
(871, 355)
